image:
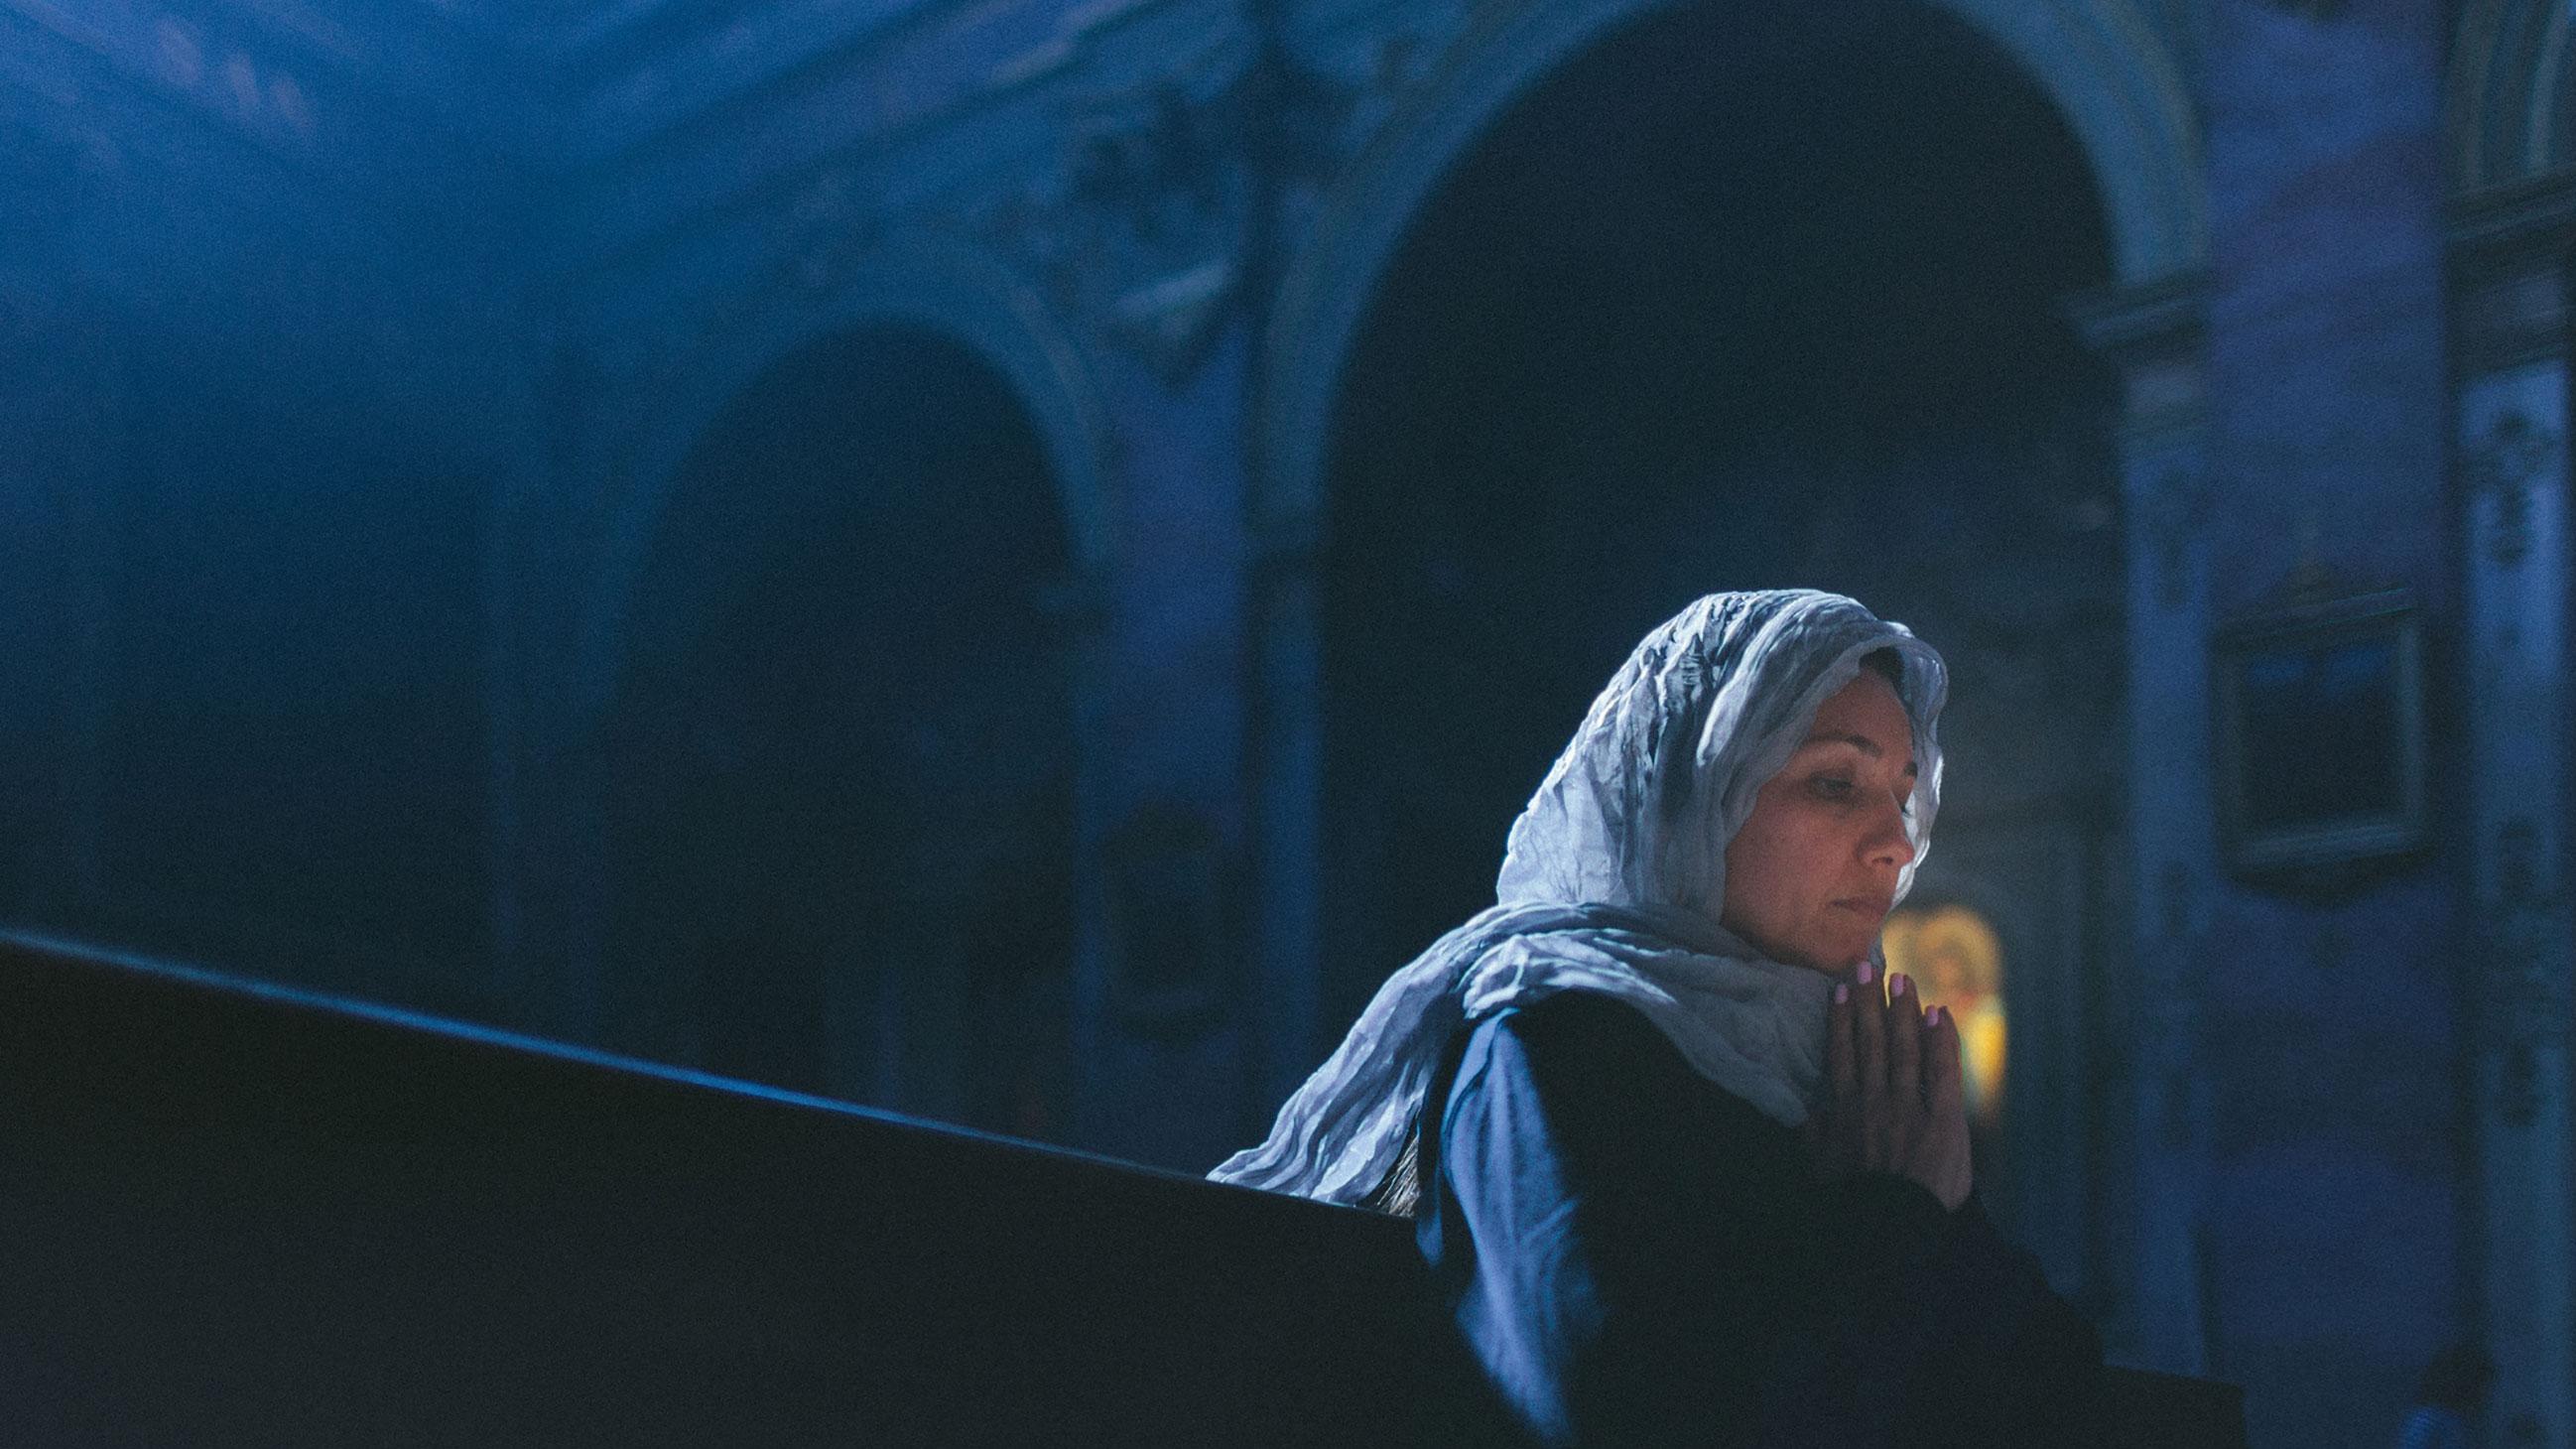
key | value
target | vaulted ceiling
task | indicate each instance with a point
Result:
(545, 86)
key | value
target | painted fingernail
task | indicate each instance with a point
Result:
(1896, 983)
(1932, 1017)
(1866, 975)
(1842, 992)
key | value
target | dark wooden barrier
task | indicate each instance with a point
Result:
(233, 1213)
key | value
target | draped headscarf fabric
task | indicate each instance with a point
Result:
(1614, 880)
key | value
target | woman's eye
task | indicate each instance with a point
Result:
(1829, 788)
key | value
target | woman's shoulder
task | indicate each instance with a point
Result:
(1577, 1020)
(1570, 1034)
(1585, 1095)
(1587, 1052)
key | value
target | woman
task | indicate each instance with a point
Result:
(1685, 1168)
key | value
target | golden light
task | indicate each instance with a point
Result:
(1955, 959)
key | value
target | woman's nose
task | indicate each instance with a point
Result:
(1888, 844)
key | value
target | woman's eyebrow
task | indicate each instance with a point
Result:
(1863, 743)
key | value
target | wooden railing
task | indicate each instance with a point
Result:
(234, 1213)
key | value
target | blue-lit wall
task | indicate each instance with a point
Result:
(265, 380)
(404, 539)
(2334, 1031)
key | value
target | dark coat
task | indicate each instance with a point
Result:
(1637, 1256)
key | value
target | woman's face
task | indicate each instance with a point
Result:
(1811, 875)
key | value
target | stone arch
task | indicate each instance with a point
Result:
(2511, 101)
(839, 764)
(2121, 91)
(951, 291)
(1627, 352)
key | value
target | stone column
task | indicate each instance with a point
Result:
(2153, 334)
(2509, 329)
(1288, 802)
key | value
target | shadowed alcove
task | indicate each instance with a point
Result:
(841, 800)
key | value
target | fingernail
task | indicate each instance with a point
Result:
(1866, 975)
(1896, 983)
(1842, 992)
(1932, 1017)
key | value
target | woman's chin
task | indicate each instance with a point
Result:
(1834, 952)
(1834, 959)
(1843, 957)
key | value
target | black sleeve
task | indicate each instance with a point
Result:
(1647, 1260)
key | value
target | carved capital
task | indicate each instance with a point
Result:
(2153, 333)
(2505, 318)
(2508, 250)
(1145, 226)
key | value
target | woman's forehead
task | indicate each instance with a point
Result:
(1867, 715)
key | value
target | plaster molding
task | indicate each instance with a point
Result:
(2161, 315)
(2508, 272)
(2505, 223)
(214, 71)
(2506, 98)
(1147, 223)
(2155, 333)
(2510, 426)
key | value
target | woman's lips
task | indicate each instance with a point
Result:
(1867, 906)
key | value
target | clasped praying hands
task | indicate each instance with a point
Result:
(1894, 1101)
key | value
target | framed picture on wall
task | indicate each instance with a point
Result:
(2320, 734)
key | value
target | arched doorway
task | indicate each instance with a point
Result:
(840, 814)
(1736, 298)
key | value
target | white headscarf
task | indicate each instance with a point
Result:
(1614, 881)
